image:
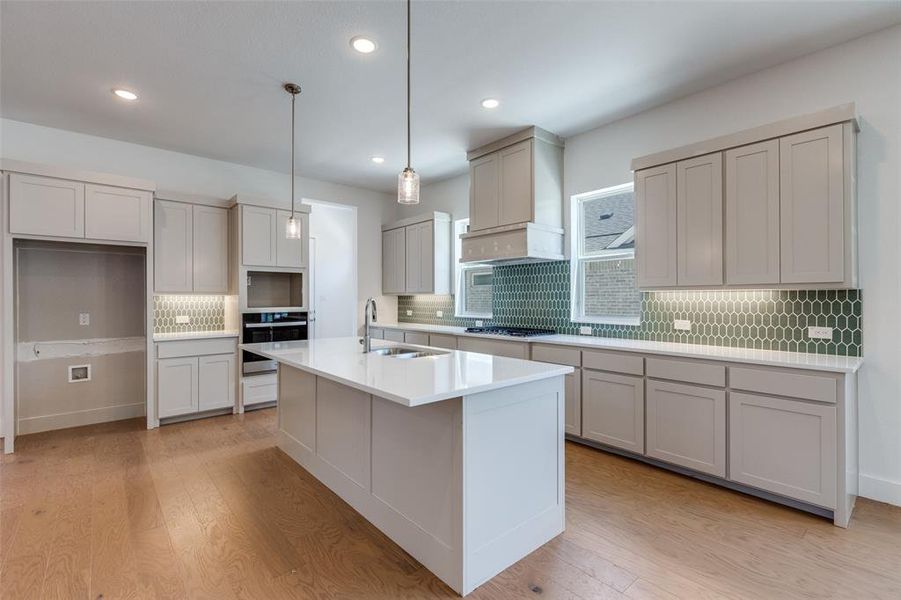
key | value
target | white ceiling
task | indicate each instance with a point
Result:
(209, 74)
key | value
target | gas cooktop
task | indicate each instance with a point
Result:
(512, 331)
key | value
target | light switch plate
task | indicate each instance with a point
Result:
(439, 313)
(682, 324)
(182, 319)
(819, 333)
(409, 313)
(584, 330)
(84, 318)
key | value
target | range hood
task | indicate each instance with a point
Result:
(513, 244)
(515, 200)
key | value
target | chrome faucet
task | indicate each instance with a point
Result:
(367, 338)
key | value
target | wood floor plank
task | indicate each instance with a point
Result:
(211, 509)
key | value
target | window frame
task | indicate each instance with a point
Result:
(460, 270)
(579, 258)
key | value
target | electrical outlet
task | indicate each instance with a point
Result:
(439, 313)
(84, 318)
(584, 330)
(182, 319)
(79, 373)
(480, 323)
(682, 324)
(409, 313)
(819, 333)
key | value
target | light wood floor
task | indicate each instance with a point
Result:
(210, 509)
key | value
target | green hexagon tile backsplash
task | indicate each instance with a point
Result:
(206, 313)
(538, 295)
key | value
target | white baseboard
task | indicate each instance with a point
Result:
(79, 418)
(881, 490)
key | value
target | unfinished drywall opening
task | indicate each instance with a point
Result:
(78, 305)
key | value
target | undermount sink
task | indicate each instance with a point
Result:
(401, 352)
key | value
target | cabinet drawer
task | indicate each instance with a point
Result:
(195, 347)
(618, 362)
(394, 335)
(441, 340)
(784, 446)
(686, 425)
(784, 383)
(416, 337)
(687, 371)
(377, 333)
(558, 355)
(259, 389)
(494, 347)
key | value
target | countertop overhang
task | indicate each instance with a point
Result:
(410, 382)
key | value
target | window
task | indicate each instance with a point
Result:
(475, 282)
(604, 257)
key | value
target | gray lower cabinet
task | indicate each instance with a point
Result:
(415, 337)
(613, 409)
(394, 335)
(443, 340)
(572, 391)
(784, 446)
(494, 347)
(686, 426)
(177, 386)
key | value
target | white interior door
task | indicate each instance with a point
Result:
(333, 271)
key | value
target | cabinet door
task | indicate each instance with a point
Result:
(811, 176)
(177, 386)
(655, 226)
(686, 426)
(217, 381)
(290, 253)
(46, 206)
(258, 226)
(413, 260)
(699, 214)
(784, 446)
(516, 184)
(752, 214)
(119, 214)
(210, 249)
(484, 192)
(613, 409)
(173, 258)
(394, 266)
(572, 392)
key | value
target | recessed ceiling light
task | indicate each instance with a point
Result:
(378, 160)
(490, 103)
(125, 94)
(363, 45)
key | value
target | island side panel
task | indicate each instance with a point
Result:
(400, 467)
(513, 466)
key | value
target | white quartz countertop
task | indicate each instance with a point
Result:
(194, 335)
(411, 382)
(773, 358)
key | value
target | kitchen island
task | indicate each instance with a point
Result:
(456, 456)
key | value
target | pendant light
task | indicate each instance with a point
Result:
(292, 228)
(408, 180)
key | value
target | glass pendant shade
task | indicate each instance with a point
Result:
(292, 228)
(408, 187)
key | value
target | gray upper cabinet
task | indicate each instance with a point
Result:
(173, 233)
(416, 255)
(258, 229)
(210, 249)
(190, 252)
(484, 192)
(46, 206)
(516, 186)
(752, 214)
(783, 194)
(656, 227)
(699, 212)
(116, 214)
(812, 207)
(394, 267)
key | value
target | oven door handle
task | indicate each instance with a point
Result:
(278, 324)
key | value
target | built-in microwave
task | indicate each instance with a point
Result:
(261, 327)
